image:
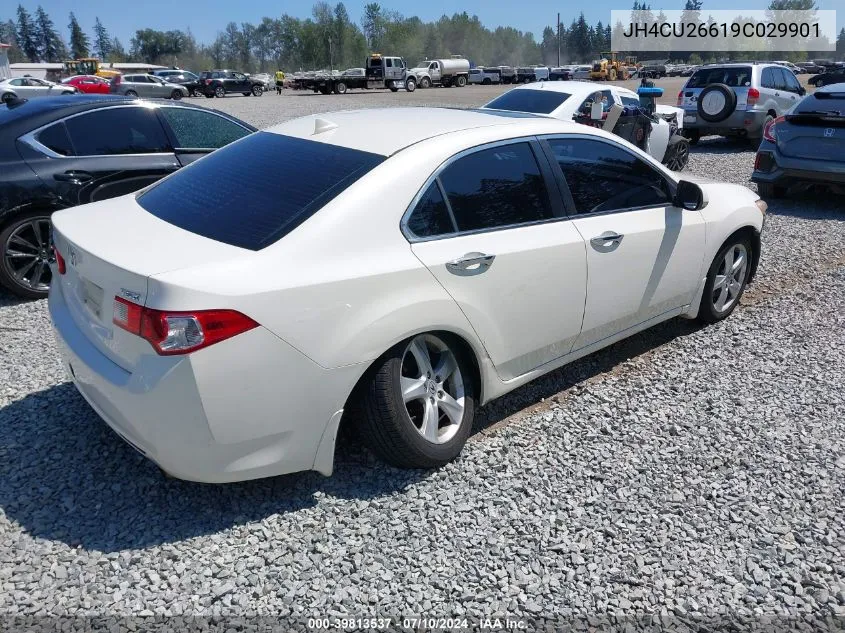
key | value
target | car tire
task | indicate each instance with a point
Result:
(407, 417)
(770, 190)
(257, 91)
(131, 93)
(340, 88)
(725, 281)
(7, 97)
(461, 81)
(25, 224)
(219, 92)
(410, 84)
(176, 95)
(393, 88)
(425, 82)
(723, 111)
(677, 153)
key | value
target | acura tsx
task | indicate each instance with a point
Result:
(397, 267)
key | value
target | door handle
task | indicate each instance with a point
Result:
(482, 260)
(606, 239)
(73, 176)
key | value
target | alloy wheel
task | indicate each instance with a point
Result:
(432, 388)
(730, 277)
(28, 252)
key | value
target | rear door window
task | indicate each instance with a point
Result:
(431, 216)
(56, 139)
(496, 187)
(111, 131)
(768, 78)
(254, 192)
(198, 129)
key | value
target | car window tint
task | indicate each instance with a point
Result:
(768, 78)
(431, 216)
(117, 131)
(604, 177)
(499, 186)
(780, 78)
(56, 138)
(792, 81)
(734, 76)
(284, 179)
(199, 129)
(529, 100)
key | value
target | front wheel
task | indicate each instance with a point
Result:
(411, 84)
(425, 82)
(677, 154)
(416, 406)
(7, 97)
(25, 255)
(340, 88)
(726, 280)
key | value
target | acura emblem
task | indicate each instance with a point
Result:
(829, 131)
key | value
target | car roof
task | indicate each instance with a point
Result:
(28, 115)
(840, 87)
(386, 131)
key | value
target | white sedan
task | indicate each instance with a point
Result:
(567, 100)
(28, 87)
(396, 268)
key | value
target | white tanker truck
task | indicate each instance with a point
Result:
(441, 72)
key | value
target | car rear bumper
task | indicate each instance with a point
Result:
(777, 169)
(748, 123)
(202, 417)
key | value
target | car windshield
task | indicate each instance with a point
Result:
(535, 101)
(236, 196)
(734, 76)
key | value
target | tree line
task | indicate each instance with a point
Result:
(329, 38)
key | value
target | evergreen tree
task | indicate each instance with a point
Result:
(27, 35)
(102, 42)
(8, 35)
(116, 51)
(50, 44)
(78, 40)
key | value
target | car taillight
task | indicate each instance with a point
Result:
(60, 261)
(207, 81)
(769, 132)
(179, 332)
(753, 95)
(680, 97)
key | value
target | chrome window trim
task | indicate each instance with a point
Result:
(29, 137)
(435, 176)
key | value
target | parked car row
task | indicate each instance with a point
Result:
(59, 152)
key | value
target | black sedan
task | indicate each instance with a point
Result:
(57, 152)
(805, 147)
(828, 77)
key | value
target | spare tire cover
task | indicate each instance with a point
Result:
(716, 102)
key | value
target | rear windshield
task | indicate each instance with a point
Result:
(832, 102)
(536, 101)
(734, 76)
(255, 191)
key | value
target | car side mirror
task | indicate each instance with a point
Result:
(689, 196)
(802, 90)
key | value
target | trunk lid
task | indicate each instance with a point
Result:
(110, 249)
(813, 136)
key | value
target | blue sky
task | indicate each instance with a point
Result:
(205, 17)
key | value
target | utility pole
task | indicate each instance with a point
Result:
(331, 57)
(558, 39)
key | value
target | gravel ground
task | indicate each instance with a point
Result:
(686, 472)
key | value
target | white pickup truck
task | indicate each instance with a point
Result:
(441, 72)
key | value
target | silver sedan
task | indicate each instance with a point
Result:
(146, 86)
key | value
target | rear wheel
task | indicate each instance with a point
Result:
(769, 190)
(257, 91)
(461, 81)
(726, 280)
(219, 92)
(416, 406)
(176, 95)
(131, 93)
(340, 88)
(26, 243)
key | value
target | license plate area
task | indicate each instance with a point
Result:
(91, 296)
(690, 118)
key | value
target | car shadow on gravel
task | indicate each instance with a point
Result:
(65, 476)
